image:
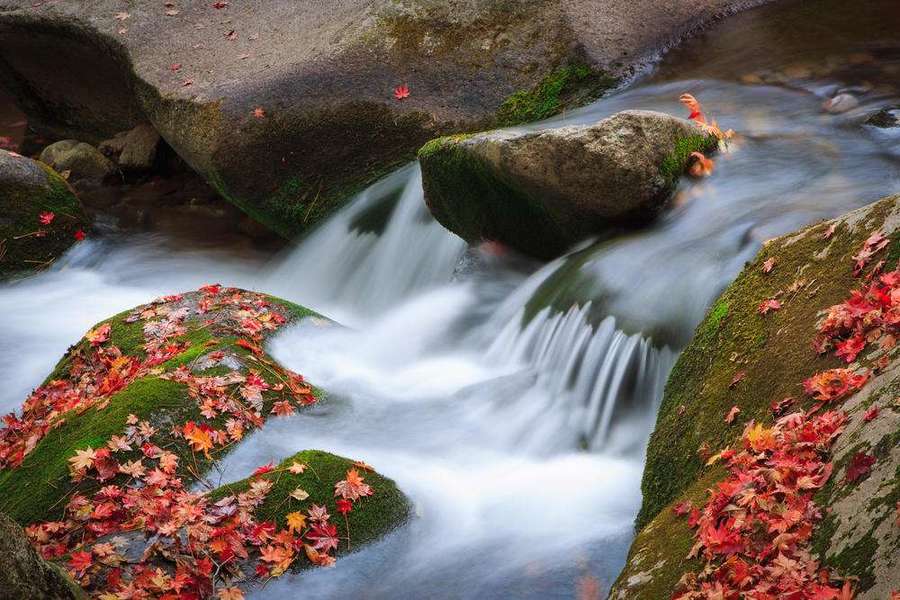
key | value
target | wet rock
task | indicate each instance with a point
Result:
(26, 576)
(29, 189)
(323, 75)
(81, 160)
(133, 150)
(540, 192)
(148, 375)
(857, 535)
(840, 104)
(886, 118)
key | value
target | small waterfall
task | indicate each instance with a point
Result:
(383, 247)
(598, 376)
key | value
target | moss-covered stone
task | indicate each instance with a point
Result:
(773, 356)
(541, 192)
(24, 575)
(38, 488)
(371, 518)
(27, 189)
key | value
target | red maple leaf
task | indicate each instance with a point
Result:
(264, 469)
(769, 305)
(80, 561)
(79, 235)
(344, 506)
(871, 414)
(401, 92)
(45, 218)
(859, 467)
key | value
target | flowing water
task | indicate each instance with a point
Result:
(512, 401)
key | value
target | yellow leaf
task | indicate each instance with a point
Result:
(296, 521)
(82, 460)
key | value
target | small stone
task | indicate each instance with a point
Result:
(83, 160)
(840, 104)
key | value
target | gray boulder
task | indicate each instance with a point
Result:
(323, 75)
(542, 191)
(82, 160)
(26, 576)
(133, 150)
(28, 189)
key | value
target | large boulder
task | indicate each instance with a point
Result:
(26, 576)
(775, 455)
(289, 108)
(107, 461)
(542, 191)
(30, 191)
(82, 161)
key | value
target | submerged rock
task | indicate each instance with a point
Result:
(108, 457)
(840, 104)
(28, 190)
(540, 192)
(322, 75)
(755, 352)
(886, 118)
(81, 160)
(26, 576)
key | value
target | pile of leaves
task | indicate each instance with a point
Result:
(133, 528)
(755, 528)
(150, 537)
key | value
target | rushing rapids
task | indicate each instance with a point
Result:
(511, 402)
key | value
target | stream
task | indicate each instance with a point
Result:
(512, 401)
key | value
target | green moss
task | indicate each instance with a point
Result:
(714, 319)
(469, 197)
(371, 518)
(774, 353)
(20, 208)
(674, 165)
(38, 489)
(569, 86)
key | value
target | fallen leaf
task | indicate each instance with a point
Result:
(258, 112)
(738, 377)
(702, 166)
(768, 265)
(296, 521)
(694, 106)
(729, 418)
(297, 468)
(121, 16)
(871, 414)
(299, 494)
(401, 92)
(767, 306)
(859, 467)
(45, 218)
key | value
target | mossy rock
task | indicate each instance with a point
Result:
(372, 517)
(208, 345)
(540, 192)
(741, 358)
(27, 189)
(24, 575)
